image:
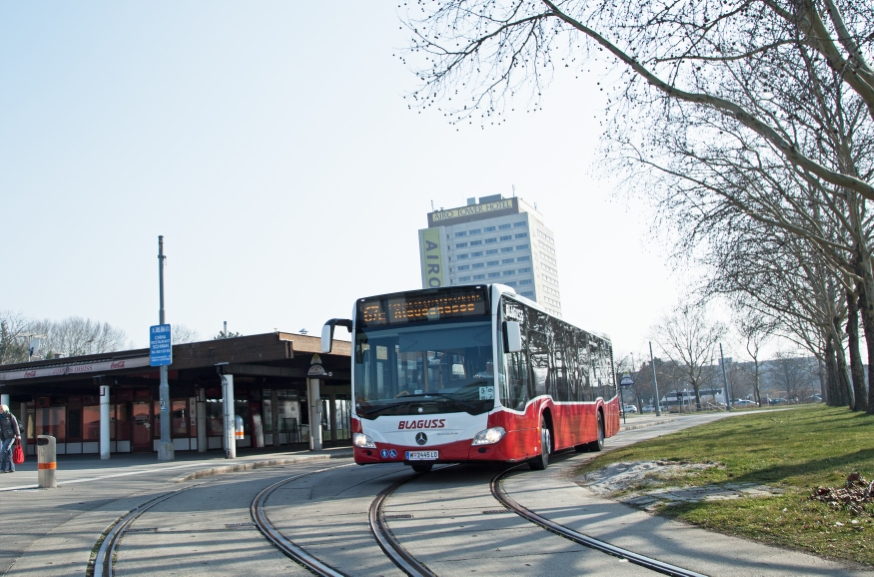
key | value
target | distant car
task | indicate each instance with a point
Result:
(778, 401)
(648, 409)
(743, 403)
(630, 409)
(813, 399)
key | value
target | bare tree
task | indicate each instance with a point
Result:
(754, 329)
(757, 92)
(76, 336)
(792, 375)
(690, 341)
(182, 334)
(13, 343)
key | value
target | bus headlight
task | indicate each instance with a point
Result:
(489, 436)
(363, 441)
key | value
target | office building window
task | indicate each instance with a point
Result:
(527, 281)
(492, 251)
(478, 265)
(508, 260)
(494, 274)
(507, 237)
(523, 258)
(488, 229)
(475, 242)
(524, 270)
(461, 245)
(521, 235)
(463, 278)
(493, 263)
(462, 233)
(507, 249)
(504, 226)
(520, 223)
(491, 240)
(509, 272)
(510, 283)
(474, 231)
(479, 276)
(464, 267)
(462, 256)
(476, 254)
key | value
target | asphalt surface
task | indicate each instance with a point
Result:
(447, 519)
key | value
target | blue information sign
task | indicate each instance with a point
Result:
(160, 346)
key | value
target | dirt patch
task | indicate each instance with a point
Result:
(640, 484)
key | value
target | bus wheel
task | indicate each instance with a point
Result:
(422, 467)
(596, 446)
(540, 463)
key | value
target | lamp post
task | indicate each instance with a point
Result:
(724, 380)
(655, 384)
(165, 447)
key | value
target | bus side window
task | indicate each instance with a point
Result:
(517, 379)
(538, 356)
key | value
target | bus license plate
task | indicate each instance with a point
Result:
(423, 455)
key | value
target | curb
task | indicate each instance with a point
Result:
(241, 467)
(644, 425)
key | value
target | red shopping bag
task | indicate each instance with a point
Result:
(18, 454)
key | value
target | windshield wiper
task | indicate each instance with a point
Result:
(450, 397)
(384, 407)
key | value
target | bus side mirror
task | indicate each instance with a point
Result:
(328, 333)
(512, 337)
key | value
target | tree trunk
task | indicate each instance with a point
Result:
(836, 395)
(844, 384)
(866, 308)
(857, 370)
(823, 389)
(756, 384)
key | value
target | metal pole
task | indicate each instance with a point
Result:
(724, 380)
(622, 400)
(655, 384)
(165, 447)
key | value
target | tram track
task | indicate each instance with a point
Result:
(102, 565)
(286, 546)
(103, 561)
(504, 498)
(378, 521)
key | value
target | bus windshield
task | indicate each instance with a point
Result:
(424, 369)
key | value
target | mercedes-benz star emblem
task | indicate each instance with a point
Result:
(421, 438)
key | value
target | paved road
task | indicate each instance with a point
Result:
(448, 519)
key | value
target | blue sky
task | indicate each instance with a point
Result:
(270, 143)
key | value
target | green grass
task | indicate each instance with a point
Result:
(796, 450)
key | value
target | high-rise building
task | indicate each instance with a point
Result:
(495, 240)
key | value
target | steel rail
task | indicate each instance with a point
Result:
(387, 541)
(103, 560)
(289, 549)
(653, 564)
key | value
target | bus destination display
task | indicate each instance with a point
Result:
(454, 304)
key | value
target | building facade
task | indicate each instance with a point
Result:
(494, 240)
(274, 399)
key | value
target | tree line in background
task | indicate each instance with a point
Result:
(70, 337)
(747, 124)
(689, 356)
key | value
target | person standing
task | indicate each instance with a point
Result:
(9, 433)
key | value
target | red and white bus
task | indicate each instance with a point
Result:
(473, 373)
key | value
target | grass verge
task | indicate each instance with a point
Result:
(796, 450)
